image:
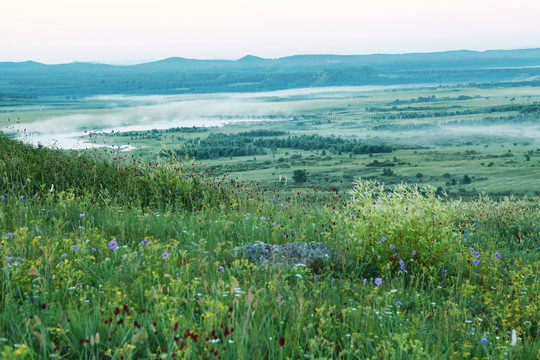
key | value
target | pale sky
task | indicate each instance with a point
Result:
(114, 31)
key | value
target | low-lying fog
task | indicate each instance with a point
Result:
(127, 113)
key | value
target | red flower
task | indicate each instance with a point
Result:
(281, 341)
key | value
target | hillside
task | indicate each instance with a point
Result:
(251, 73)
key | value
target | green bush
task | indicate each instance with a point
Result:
(403, 228)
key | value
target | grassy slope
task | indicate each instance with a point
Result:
(173, 286)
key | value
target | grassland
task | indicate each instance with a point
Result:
(131, 256)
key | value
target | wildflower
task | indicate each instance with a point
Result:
(36, 195)
(221, 268)
(3, 197)
(497, 255)
(81, 227)
(64, 256)
(9, 235)
(165, 255)
(113, 244)
(381, 241)
(399, 303)
(514, 338)
(248, 214)
(48, 212)
(75, 248)
(21, 197)
(315, 276)
(484, 341)
(365, 281)
(246, 218)
(472, 330)
(82, 215)
(9, 258)
(19, 259)
(414, 253)
(476, 262)
(286, 236)
(282, 341)
(392, 246)
(145, 242)
(263, 218)
(93, 249)
(274, 224)
(378, 281)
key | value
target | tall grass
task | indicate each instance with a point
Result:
(85, 278)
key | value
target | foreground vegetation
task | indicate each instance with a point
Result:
(99, 266)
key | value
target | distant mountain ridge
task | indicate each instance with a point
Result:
(252, 73)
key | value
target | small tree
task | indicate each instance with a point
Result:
(299, 176)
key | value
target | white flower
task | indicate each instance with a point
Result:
(514, 337)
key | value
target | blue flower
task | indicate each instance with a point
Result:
(221, 268)
(484, 341)
(263, 218)
(19, 259)
(93, 249)
(399, 303)
(392, 246)
(75, 248)
(414, 252)
(81, 227)
(9, 235)
(21, 197)
(165, 255)
(9, 258)
(113, 244)
(378, 281)
(497, 255)
(472, 330)
(82, 215)
(145, 242)
(476, 262)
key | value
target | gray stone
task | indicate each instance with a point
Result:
(292, 253)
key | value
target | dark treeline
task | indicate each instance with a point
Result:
(432, 98)
(395, 113)
(224, 145)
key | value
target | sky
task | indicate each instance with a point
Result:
(130, 31)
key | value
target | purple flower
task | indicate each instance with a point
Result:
(274, 224)
(286, 236)
(19, 259)
(64, 256)
(382, 239)
(472, 330)
(221, 268)
(497, 255)
(21, 197)
(113, 244)
(484, 341)
(246, 218)
(315, 276)
(36, 195)
(365, 281)
(165, 255)
(248, 214)
(48, 212)
(9, 235)
(476, 262)
(402, 265)
(378, 281)
(476, 254)
(9, 258)
(399, 303)
(414, 253)
(263, 218)
(75, 248)
(3, 197)
(82, 215)
(93, 249)
(81, 227)
(145, 242)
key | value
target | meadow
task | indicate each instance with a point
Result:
(130, 255)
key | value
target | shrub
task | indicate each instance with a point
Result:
(408, 223)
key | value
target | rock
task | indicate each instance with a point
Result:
(292, 253)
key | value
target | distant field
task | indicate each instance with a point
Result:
(462, 140)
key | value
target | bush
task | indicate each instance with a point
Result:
(402, 228)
